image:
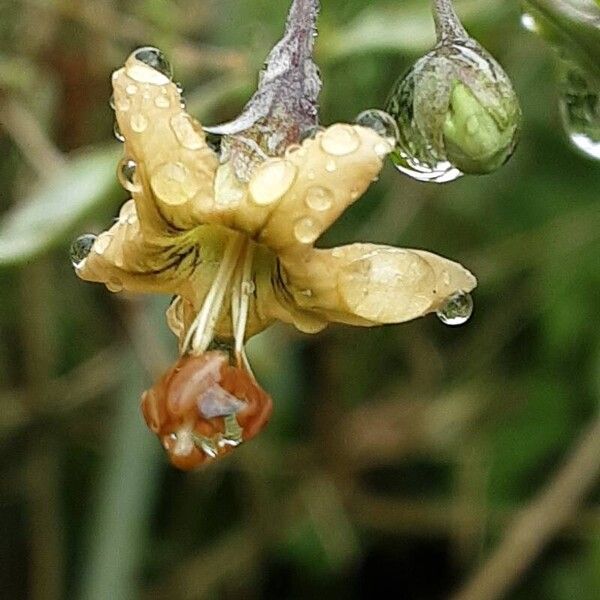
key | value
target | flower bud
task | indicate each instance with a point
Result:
(203, 407)
(456, 112)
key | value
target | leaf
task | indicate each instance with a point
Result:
(52, 210)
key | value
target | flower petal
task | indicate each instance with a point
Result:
(326, 175)
(123, 259)
(175, 166)
(367, 284)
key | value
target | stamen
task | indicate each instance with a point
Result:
(202, 329)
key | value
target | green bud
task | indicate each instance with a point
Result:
(474, 141)
(456, 110)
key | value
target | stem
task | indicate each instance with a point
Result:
(447, 24)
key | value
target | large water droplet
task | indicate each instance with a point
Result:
(457, 309)
(319, 198)
(330, 166)
(188, 134)
(340, 140)
(306, 230)
(80, 248)
(127, 175)
(381, 123)
(174, 183)
(580, 108)
(151, 67)
(271, 181)
(138, 122)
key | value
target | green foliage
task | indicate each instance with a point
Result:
(334, 496)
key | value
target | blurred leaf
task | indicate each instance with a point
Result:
(401, 27)
(51, 211)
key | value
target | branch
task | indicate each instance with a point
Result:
(539, 522)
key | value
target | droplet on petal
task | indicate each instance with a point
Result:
(340, 140)
(127, 175)
(388, 285)
(306, 230)
(174, 183)
(204, 407)
(80, 248)
(162, 102)
(271, 180)
(138, 122)
(319, 198)
(457, 309)
(117, 133)
(114, 285)
(103, 242)
(188, 134)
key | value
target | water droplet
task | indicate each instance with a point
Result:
(122, 104)
(162, 102)
(131, 89)
(127, 175)
(138, 122)
(151, 67)
(340, 140)
(117, 132)
(174, 184)
(291, 151)
(580, 108)
(114, 285)
(319, 198)
(111, 101)
(188, 133)
(380, 122)
(80, 248)
(271, 180)
(331, 166)
(306, 230)
(102, 243)
(311, 133)
(529, 23)
(457, 310)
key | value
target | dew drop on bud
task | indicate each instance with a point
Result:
(127, 174)
(80, 248)
(457, 309)
(380, 122)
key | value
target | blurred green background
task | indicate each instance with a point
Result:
(397, 457)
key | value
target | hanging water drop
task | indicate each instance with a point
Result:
(127, 175)
(457, 309)
(138, 123)
(80, 248)
(580, 108)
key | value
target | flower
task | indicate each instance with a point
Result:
(237, 253)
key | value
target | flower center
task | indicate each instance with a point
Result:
(235, 273)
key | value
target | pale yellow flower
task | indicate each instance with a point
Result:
(239, 255)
